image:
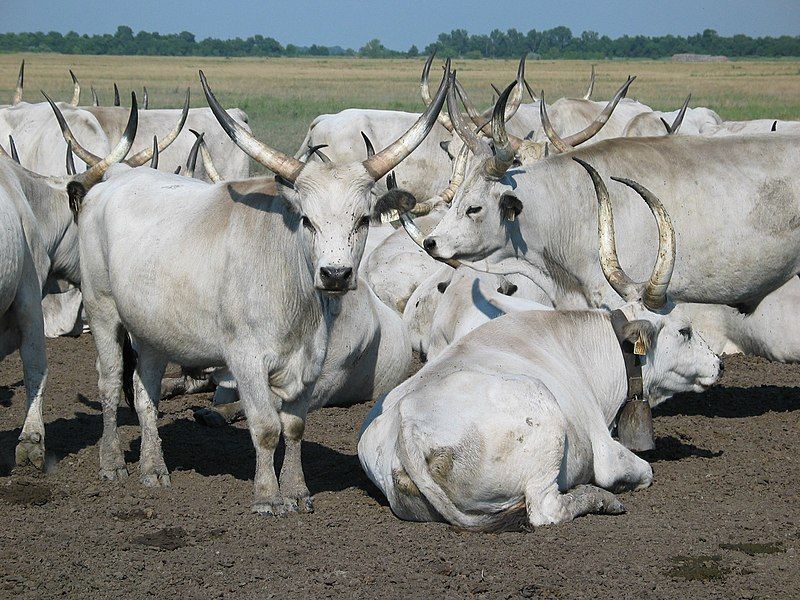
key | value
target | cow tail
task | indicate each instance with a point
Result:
(129, 358)
(414, 463)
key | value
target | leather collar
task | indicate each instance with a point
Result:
(633, 363)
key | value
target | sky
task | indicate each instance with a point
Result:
(399, 23)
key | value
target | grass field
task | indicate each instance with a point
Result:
(283, 95)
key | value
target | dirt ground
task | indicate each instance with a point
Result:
(722, 519)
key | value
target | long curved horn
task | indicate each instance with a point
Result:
(457, 178)
(676, 124)
(311, 150)
(595, 126)
(20, 83)
(71, 170)
(154, 159)
(279, 163)
(552, 134)
(13, 148)
(504, 151)
(142, 157)
(368, 144)
(463, 130)
(425, 92)
(530, 92)
(653, 292)
(95, 99)
(609, 261)
(145, 98)
(208, 162)
(590, 88)
(388, 158)
(96, 172)
(116, 95)
(191, 161)
(83, 153)
(482, 120)
(76, 91)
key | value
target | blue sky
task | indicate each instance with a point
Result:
(399, 23)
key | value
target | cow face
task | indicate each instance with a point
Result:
(482, 220)
(677, 359)
(335, 208)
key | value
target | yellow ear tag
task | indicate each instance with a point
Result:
(639, 349)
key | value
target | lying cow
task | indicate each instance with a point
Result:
(511, 425)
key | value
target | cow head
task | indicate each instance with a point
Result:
(333, 201)
(481, 223)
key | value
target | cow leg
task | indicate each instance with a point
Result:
(28, 312)
(147, 387)
(618, 469)
(293, 482)
(261, 407)
(108, 337)
(549, 506)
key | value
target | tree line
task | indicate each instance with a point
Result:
(558, 42)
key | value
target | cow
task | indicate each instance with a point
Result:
(755, 126)
(510, 426)
(39, 240)
(684, 121)
(735, 202)
(244, 274)
(426, 172)
(369, 353)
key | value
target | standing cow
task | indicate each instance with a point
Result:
(252, 281)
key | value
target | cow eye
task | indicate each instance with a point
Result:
(307, 224)
(474, 210)
(686, 332)
(364, 222)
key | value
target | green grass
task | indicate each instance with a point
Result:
(282, 96)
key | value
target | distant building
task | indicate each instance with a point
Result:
(698, 58)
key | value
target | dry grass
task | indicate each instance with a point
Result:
(283, 95)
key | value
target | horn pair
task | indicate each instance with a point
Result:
(289, 168)
(653, 292)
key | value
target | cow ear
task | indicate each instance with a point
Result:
(510, 206)
(391, 205)
(76, 192)
(641, 334)
(507, 288)
(445, 145)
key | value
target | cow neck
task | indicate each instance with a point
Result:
(633, 363)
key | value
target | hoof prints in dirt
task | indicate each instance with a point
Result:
(25, 493)
(169, 538)
(698, 568)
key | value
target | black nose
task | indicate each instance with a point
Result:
(335, 278)
(429, 244)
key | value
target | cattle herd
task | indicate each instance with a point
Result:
(560, 267)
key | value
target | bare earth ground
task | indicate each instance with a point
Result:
(721, 521)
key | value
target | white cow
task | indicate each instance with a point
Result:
(38, 238)
(756, 126)
(511, 425)
(369, 354)
(245, 274)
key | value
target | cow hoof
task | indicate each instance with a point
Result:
(271, 509)
(115, 474)
(30, 451)
(209, 417)
(155, 480)
(614, 507)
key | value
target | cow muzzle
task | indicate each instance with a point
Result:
(336, 279)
